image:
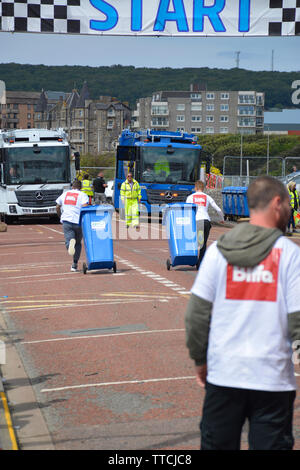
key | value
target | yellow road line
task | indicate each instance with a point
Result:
(9, 422)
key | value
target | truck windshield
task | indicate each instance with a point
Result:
(30, 165)
(175, 165)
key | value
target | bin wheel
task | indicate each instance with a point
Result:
(84, 266)
(115, 267)
(168, 264)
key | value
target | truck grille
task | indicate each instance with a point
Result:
(38, 198)
(155, 196)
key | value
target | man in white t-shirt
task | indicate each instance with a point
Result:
(242, 318)
(203, 202)
(68, 207)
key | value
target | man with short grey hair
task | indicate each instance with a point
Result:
(242, 318)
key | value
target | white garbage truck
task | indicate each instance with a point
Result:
(36, 166)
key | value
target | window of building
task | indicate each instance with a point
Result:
(196, 129)
(210, 118)
(196, 118)
(210, 107)
(246, 110)
(28, 116)
(111, 112)
(159, 110)
(180, 129)
(159, 121)
(224, 119)
(29, 107)
(223, 130)
(259, 100)
(210, 130)
(247, 99)
(224, 96)
(210, 96)
(246, 122)
(180, 117)
(196, 106)
(196, 96)
(180, 107)
(28, 125)
(224, 107)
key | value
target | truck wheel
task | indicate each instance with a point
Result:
(84, 267)
(168, 264)
(115, 267)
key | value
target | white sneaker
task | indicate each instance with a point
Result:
(74, 268)
(71, 249)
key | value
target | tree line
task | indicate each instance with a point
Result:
(128, 83)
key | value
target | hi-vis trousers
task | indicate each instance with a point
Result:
(131, 212)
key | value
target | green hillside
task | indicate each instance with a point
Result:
(130, 83)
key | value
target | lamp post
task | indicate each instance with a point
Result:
(241, 157)
(268, 150)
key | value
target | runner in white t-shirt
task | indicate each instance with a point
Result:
(241, 321)
(203, 202)
(68, 206)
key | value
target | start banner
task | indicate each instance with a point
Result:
(153, 17)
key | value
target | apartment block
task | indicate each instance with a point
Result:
(17, 109)
(201, 111)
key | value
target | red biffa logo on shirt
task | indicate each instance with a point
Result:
(259, 283)
(71, 198)
(200, 199)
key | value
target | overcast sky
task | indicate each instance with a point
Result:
(95, 51)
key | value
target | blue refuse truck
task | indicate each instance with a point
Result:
(166, 165)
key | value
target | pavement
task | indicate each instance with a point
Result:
(97, 361)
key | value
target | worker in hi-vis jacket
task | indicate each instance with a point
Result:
(131, 196)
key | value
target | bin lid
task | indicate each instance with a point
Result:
(242, 189)
(98, 208)
(227, 189)
(178, 205)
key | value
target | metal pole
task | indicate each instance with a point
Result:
(268, 151)
(241, 157)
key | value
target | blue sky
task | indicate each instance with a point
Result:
(95, 51)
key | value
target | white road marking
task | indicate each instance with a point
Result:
(155, 277)
(105, 384)
(130, 333)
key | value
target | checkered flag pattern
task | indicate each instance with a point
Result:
(288, 14)
(40, 16)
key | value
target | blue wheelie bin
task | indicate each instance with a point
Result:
(227, 201)
(97, 237)
(244, 201)
(180, 221)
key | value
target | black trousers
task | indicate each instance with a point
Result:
(203, 229)
(225, 410)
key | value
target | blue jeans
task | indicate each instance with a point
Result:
(73, 231)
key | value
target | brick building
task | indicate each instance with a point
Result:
(17, 109)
